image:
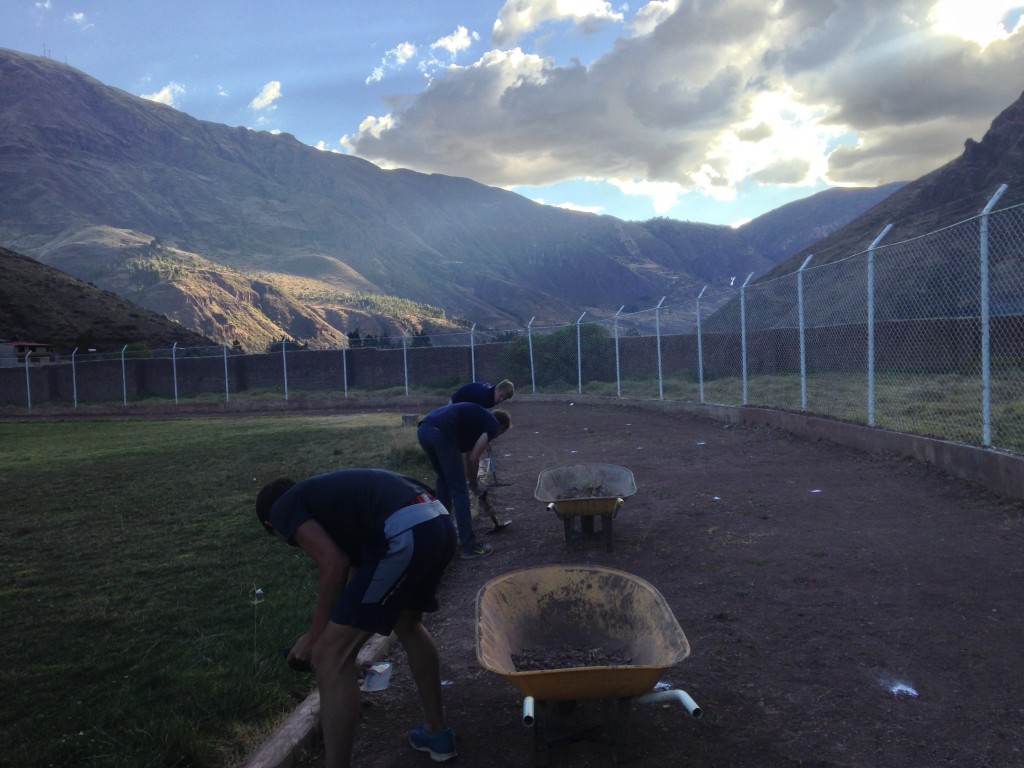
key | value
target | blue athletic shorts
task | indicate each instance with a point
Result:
(401, 569)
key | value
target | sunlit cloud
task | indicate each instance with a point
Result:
(169, 94)
(393, 60)
(664, 195)
(520, 17)
(459, 40)
(78, 19)
(650, 15)
(979, 21)
(716, 99)
(271, 92)
(570, 206)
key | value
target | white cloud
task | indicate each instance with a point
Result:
(168, 95)
(712, 97)
(664, 195)
(459, 40)
(520, 17)
(571, 206)
(393, 60)
(271, 92)
(979, 21)
(651, 15)
(78, 18)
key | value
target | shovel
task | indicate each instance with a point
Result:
(486, 506)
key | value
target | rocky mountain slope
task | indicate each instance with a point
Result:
(42, 304)
(250, 236)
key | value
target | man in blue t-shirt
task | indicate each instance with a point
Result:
(483, 394)
(454, 437)
(399, 539)
(486, 396)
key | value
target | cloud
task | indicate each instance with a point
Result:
(169, 94)
(520, 17)
(271, 92)
(571, 206)
(393, 60)
(713, 97)
(459, 40)
(78, 18)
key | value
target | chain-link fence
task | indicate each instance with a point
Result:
(924, 336)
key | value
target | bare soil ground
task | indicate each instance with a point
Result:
(843, 609)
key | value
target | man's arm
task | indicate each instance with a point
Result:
(332, 569)
(472, 459)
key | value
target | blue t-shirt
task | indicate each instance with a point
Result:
(464, 422)
(479, 392)
(351, 505)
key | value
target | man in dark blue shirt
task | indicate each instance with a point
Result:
(454, 437)
(399, 539)
(483, 394)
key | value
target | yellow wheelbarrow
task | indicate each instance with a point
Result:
(587, 607)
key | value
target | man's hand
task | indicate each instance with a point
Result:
(479, 490)
(298, 656)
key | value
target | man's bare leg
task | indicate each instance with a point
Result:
(424, 666)
(334, 661)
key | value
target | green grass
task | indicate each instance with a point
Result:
(131, 634)
(943, 405)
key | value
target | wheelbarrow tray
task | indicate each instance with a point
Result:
(582, 490)
(580, 606)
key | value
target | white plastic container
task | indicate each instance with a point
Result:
(377, 677)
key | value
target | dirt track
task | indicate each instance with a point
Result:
(843, 609)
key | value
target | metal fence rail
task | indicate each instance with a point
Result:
(924, 336)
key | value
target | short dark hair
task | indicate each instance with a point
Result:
(265, 499)
(504, 420)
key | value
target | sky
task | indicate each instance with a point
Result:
(694, 110)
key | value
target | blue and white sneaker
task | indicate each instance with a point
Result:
(440, 745)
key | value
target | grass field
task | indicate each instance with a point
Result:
(144, 610)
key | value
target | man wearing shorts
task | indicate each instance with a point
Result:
(399, 540)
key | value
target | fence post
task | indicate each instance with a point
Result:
(657, 333)
(405, 359)
(803, 347)
(700, 348)
(618, 373)
(529, 342)
(284, 364)
(227, 387)
(28, 380)
(174, 369)
(74, 377)
(743, 334)
(472, 353)
(124, 378)
(871, 324)
(986, 360)
(579, 357)
(344, 366)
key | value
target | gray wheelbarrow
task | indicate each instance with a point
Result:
(587, 492)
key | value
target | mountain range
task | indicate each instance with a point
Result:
(249, 236)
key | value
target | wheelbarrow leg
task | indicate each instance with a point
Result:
(540, 735)
(606, 528)
(620, 730)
